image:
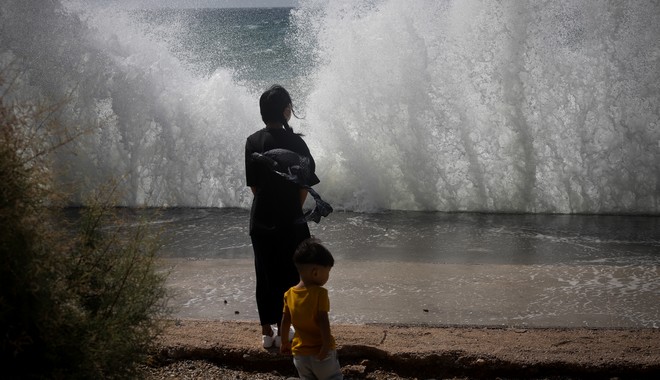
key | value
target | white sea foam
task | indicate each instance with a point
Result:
(486, 106)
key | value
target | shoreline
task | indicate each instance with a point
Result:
(393, 351)
(584, 295)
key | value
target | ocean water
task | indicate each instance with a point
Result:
(490, 162)
(436, 268)
(250, 42)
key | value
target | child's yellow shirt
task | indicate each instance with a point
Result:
(304, 304)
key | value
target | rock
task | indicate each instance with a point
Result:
(353, 370)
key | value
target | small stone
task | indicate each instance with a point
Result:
(354, 369)
(237, 312)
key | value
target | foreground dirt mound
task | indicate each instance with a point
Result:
(218, 350)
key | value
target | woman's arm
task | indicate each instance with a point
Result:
(303, 196)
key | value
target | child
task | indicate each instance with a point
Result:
(306, 307)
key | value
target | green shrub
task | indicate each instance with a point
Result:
(81, 301)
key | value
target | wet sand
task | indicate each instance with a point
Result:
(502, 295)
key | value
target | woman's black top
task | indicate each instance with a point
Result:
(276, 205)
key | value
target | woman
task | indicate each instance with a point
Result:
(277, 224)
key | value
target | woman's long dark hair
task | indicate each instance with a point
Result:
(272, 104)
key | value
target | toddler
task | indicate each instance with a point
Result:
(306, 307)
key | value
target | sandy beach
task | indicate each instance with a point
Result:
(514, 303)
(203, 349)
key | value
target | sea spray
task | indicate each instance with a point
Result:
(170, 137)
(419, 105)
(487, 106)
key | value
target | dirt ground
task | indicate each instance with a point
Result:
(196, 349)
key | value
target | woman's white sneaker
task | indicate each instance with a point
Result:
(267, 341)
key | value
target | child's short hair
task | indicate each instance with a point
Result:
(311, 251)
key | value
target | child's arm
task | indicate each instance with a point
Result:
(285, 326)
(324, 324)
